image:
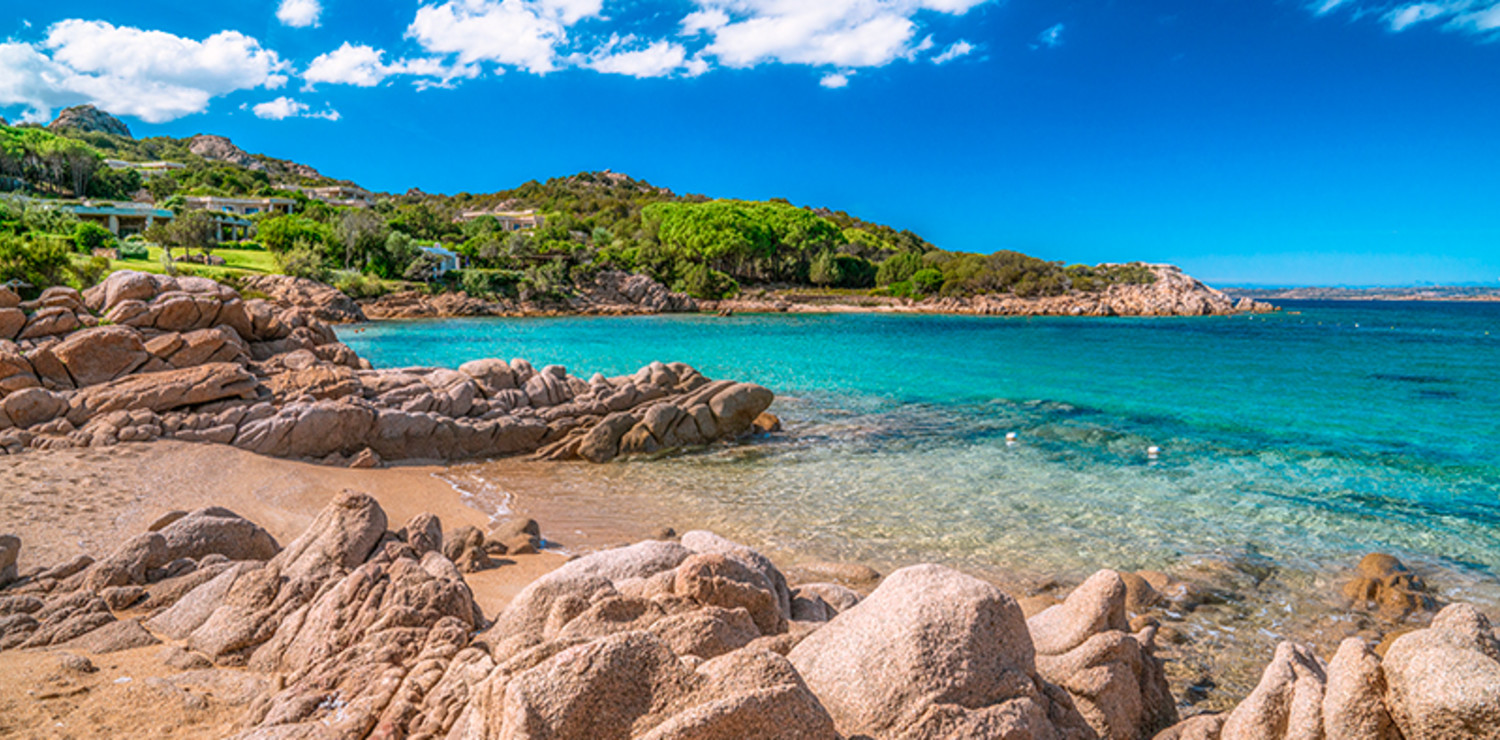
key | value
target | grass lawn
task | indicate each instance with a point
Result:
(237, 262)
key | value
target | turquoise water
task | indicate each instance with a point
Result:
(1309, 437)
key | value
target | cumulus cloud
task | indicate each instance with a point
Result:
(284, 107)
(152, 75)
(839, 33)
(1480, 17)
(541, 36)
(526, 34)
(955, 50)
(299, 13)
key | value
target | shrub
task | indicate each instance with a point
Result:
(356, 284)
(926, 281)
(898, 268)
(90, 273)
(89, 236)
(489, 282)
(134, 251)
(303, 260)
(702, 281)
(38, 262)
(854, 272)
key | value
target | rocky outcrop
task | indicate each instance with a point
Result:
(1085, 646)
(324, 302)
(934, 653)
(1440, 683)
(221, 149)
(188, 358)
(357, 630)
(88, 119)
(611, 293)
(1172, 293)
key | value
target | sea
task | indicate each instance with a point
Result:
(1051, 447)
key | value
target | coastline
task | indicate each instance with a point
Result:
(1214, 654)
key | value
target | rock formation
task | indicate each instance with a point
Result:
(362, 629)
(1440, 683)
(221, 149)
(612, 293)
(1174, 293)
(325, 302)
(187, 358)
(88, 119)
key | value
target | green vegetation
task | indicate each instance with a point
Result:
(592, 221)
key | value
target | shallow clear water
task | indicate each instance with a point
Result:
(1310, 437)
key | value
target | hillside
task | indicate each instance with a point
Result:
(542, 240)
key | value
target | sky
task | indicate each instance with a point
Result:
(1253, 142)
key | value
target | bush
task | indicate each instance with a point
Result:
(489, 282)
(134, 251)
(898, 268)
(854, 272)
(90, 273)
(304, 261)
(926, 281)
(88, 236)
(38, 262)
(356, 284)
(702, 281)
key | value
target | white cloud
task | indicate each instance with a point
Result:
(841, 33)
(284, 107)
(659, 59)
(1052, 37)
(518, 33)
(152, 75)
(350, 64)
(954, 51)
(1481, 17)
(712, 19)
(460, 39)
(299, 13)
(835, 80)
(364, 66)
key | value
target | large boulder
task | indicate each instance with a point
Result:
(1444, 682)
(1287, 704)
(216, 530)
(631, 685)
(254, 607)
(164, 391)
(934, 653)
(101, 354)
(1084, 645)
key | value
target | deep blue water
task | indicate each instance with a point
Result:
(1311, 436)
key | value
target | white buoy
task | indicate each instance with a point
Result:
(1153, 452)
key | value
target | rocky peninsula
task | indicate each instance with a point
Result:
(614, 293)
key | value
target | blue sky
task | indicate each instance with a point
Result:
(1251, 141)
